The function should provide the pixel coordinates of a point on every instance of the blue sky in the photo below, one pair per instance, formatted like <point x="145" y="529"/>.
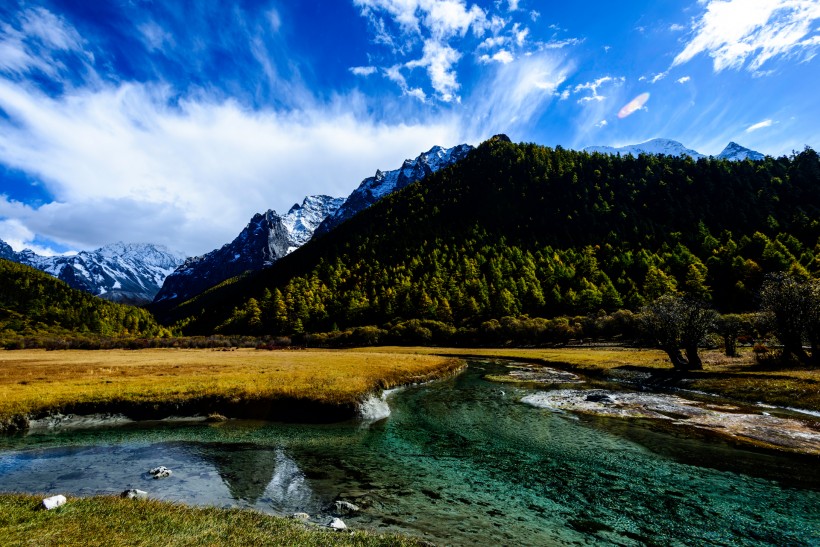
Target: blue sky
<point x="175" y="122"/>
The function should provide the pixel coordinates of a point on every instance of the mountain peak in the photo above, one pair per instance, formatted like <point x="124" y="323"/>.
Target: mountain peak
<point x="383" y="183"/>
<point x="736" y="152"/>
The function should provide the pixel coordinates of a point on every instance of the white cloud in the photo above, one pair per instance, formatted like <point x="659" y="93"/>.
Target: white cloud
<point x="124" y="165"/>
<point x="676" y="27"/>
<point x="438" y="59"/>
<point x="501" y="56"/>
<point x="516" y="94"/>
<point x="363" y="70"/>
<point x="154" y="36"/>
<point x="683" y="79"/>
<point x="33" y="45"/>
<point x="512" y="5"/>
<point x="752" y="32"/>
<point x="593" y="87"/>
<point x="602" y="123"/>
<point x="759" y="125"/>
<point x="658" y="77"/>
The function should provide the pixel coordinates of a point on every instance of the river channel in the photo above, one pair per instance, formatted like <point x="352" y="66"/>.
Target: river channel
<point x="458" y="462"/>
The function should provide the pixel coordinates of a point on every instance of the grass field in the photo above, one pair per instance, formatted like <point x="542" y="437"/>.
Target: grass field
<point x="36" y="381"/>
<point x="738" y="378"/>
<point x="113" y="521"/>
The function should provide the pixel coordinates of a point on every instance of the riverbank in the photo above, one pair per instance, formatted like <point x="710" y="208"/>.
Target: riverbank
<point x="306" y="386"/>
<point x="740" y="378"/>
<point x="107" y="520"/>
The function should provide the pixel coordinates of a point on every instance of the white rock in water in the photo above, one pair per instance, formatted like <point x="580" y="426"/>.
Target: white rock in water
<point x="346" y="508"/>
<point x="56" y="501"/>
<point x="134" y="494"/>
<point x="337" y="524"/>
<point x="161" y="472"/>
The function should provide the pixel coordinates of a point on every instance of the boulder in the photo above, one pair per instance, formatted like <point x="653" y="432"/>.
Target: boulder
<point x="161" y="472"/>
<point x="337" y="524"/>
<point x="134" y="494"/>
<point x="300" y="516"/>
<point x="346" y="508"/>
<point x="56" y="501"/>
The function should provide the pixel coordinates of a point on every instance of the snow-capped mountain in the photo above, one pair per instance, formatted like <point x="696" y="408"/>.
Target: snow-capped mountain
<point x="655" y="146"/>
<point x="121" y="272"/>
<point x="302" y="220"/>
<point x="267" y="238"/>
<point x="383" y="183"/>
<point x="732" y="152"/>
<point x="735" y="152"/>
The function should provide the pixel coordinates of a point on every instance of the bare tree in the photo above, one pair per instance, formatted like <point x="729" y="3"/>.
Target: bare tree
<point x="676" y="322"/>
<point x="793" y="305"/>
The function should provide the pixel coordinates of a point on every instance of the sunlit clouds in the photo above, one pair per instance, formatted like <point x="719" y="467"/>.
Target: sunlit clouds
<point x="633" y="106"/>
<point x="759" y="125"/>
<point x="750" y="33"/>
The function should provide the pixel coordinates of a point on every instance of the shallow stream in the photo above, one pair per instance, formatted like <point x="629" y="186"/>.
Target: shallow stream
<point x="458" y="462"/>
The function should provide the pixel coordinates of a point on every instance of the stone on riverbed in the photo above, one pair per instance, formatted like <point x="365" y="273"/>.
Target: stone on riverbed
<point x="134" y="494"/>
<point x="161" y="472"/>
<point x="346" y="508"/>
<point x="54" y="502"/>
<point x="337" y="524"/>
<point x="801" y="436"/>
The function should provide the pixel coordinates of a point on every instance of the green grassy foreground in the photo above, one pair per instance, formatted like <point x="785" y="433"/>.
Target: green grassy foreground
<point x="114" y="521"/>
<point x="739" y="378"/>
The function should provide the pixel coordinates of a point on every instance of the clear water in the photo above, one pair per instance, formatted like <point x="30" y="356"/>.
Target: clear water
<point x="457" y="462"/>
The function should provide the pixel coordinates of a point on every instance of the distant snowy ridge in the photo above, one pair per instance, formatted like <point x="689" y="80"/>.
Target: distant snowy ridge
<point x="267" y="238"/>
<point x="668" y="147"/>
<point x="122" y="272"/>
<point x="383" y="183"/>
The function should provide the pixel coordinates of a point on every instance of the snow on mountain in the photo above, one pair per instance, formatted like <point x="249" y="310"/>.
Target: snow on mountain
<point x="270" y="236"/>
<point x="383" y="183"/>
<point x="302" y="220"/>
<point x="735" y="152"/>
<point x="267" y="238"/>
<point x="655" y="146"/>
<point x="121" y="272"/>
<point x="732" y="152"/>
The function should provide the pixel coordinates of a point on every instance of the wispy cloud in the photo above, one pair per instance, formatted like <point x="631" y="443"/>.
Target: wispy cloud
<point x="593" y="87"/>
<point x="363" y="70"/>
<point x="759" y="125"/>
<point x="515" y="95"/>
<point x="750" y="33"/>
<point x="683" y="79"/>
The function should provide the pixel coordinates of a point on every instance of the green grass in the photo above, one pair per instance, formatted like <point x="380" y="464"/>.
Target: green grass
<point x="113" y="521"/>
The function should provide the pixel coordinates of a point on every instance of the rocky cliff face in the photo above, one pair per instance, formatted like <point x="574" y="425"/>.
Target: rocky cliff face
<point x="267" y="238"/>
<point x="131" y="273"/>
<point x="386" y="182"/>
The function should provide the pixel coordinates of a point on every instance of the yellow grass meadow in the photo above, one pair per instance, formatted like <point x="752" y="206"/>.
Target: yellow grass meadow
<point x="36" y="381"/>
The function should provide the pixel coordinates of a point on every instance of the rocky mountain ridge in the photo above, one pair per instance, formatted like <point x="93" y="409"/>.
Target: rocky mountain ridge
<point x="267" y="238"/>
<point x="121" y="272"/>
<point x="668" y="147"/>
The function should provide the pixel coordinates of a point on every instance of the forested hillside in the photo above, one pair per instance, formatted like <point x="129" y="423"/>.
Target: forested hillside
<point x="33" y="302"/>
<point x="525" y="229"/>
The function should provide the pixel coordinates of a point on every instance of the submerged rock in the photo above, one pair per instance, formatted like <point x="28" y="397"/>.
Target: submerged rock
<point x="134" y="494"/>
<point x="746" y="426"/>
<point x="54" y="502"/>
<point x="346" y="508"/>
<point x="337" y="524"/>
<point x="161" y="472"/>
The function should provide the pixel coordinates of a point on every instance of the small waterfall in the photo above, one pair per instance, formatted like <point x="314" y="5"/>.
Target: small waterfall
<point x="375" y="408"/>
